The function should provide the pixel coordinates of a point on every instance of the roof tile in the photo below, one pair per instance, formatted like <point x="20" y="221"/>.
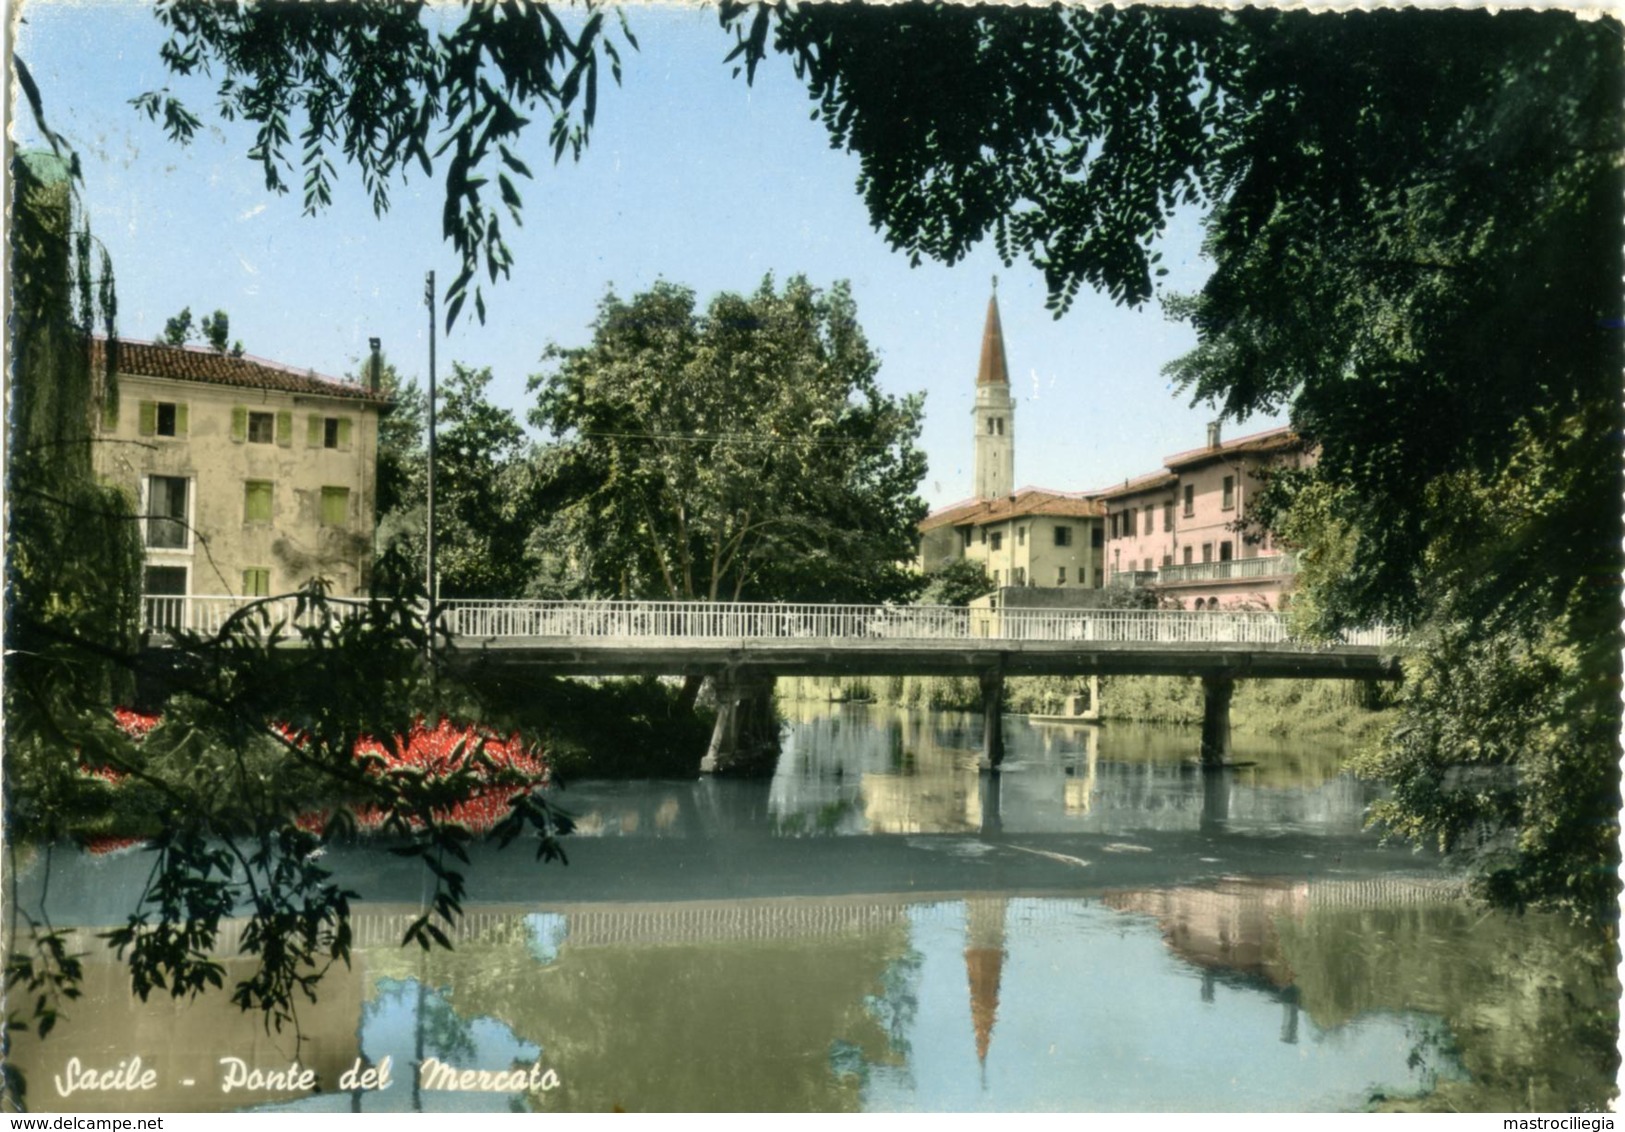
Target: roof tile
<point x="191" y="363"/>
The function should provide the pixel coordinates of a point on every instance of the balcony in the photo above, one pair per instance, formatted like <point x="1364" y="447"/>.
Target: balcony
<point x="1130" y="579"/>
<point x="1274" y="566"/>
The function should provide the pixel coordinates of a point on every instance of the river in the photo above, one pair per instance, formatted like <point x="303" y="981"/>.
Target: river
<point x="882" y="926"/>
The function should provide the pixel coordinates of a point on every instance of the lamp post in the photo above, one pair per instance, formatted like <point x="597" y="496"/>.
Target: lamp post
<point x="428" y="300"/>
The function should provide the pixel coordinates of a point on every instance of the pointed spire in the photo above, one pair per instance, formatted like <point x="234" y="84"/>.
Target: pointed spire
<point x="994" y="370"/>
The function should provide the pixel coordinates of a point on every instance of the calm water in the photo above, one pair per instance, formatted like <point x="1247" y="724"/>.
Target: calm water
<point x="883" y="927"/>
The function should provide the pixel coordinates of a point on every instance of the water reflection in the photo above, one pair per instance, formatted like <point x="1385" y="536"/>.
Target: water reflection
<point x="862" y="769"/>
<point x="653" y="977"/>
<point x="1233" y="996"/>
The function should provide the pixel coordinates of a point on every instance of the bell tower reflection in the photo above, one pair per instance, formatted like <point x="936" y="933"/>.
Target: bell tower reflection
<point x="984" y="966"/>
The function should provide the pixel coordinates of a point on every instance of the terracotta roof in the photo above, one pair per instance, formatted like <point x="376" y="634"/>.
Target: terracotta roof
<point x="1275" y="440"/>
<point x="1027" y="501"/>
<point x="1150" y="482"/>
<point x="193" y="363"/>
<point x="993" y="368"/>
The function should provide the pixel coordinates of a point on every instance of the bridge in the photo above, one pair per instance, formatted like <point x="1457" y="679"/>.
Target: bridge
<point x="744" y="646"/>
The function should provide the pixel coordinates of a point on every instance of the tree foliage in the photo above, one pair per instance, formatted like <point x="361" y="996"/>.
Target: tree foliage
<point x="373" y="83"/>
<point x="959" y="582"/>
<point x="745" y="452"/>
<point x="1419" y="253"/>
<point x="485" y="486"/>
<point x="215" y="329"/>
<point x="73" y="561"/>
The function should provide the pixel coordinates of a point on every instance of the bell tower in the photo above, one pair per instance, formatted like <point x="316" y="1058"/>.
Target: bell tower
<point x="995" y="411"/>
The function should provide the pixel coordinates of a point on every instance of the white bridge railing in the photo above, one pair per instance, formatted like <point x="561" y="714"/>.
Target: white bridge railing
<point x="671" y="622"/>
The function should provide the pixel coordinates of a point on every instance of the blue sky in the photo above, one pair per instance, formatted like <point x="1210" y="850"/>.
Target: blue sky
<point x="691" y="176"/>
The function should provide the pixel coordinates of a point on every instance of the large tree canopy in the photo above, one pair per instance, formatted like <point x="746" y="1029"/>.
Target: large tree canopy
<point x="740" y="453"/>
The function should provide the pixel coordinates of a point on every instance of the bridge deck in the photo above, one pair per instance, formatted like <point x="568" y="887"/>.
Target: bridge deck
<point x="702" y="638"/>
<point x="835" y="657"/>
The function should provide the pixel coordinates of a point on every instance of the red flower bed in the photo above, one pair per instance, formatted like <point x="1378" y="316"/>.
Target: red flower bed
<point x="432" y="751"/>
<point x="107" y="844"/>
<point x="428" y="749"/>
<point x="134" y="723"/>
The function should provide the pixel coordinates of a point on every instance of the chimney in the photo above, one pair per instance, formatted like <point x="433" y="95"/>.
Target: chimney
<point x="1213" y="434"/>
<point x="375" y="366"/>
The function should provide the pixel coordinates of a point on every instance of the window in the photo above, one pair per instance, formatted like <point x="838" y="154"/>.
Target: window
<point x="257" y="501"/>
<point x="262" y="428"/>
<point x="257" y="581"/>
<point x="1207" y="552"/>
<point x="328" y="432"/>
<point x="163" y="418"/>
<point x="1229" y="499"/>
<point x="998" y="426"/>
<point x="335" y="506"/>
<point x="998" y="540"/>
<point x="1168" y="516"/>
<point x="1187" y="557"/>
<point x="1226" y="551"/>
<point x="164" y="581"/>
<point x="1063" y="536"/>
<point x="1060" y="575"/>
<point x="1190" y="500"/>
<point x="166" y="512"/>
<point x="1097" y="537"/>
<point x="1021" y="536"/>
<point x="1150" y="518"/>
<point x="964" y="537"/>
<point x="1167" y="559"/>
<point x="1115" y="517"/>
<point x="1018" y="576"/>
<point x="984" y="536"/>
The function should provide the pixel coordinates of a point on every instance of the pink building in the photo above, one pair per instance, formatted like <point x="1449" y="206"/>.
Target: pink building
<point x="1181" y="528"/>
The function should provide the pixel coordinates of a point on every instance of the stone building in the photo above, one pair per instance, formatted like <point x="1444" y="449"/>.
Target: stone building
<point x="1180" y="528"/>
<point x="1023" y="536"/>
<point x="251" y="478"/>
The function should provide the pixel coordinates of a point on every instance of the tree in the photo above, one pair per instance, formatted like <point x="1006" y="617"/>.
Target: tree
<point x="742" y="453"/>
<point x="958" y="583"/>
<point x="215" y="329"/>
<point x="1418" y="253"/>
<point x="73" y="560"/>
<point x="485" y="483"/>
<point x="484" y="492"/>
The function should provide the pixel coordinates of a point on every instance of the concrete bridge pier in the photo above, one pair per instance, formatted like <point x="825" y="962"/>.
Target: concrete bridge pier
<point x="745" y="739"/>
<point x="1216" y="693"/>
<point x="992" y="718"/>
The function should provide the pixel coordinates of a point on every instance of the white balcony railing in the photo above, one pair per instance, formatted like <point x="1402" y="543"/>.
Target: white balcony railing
<point x="1273" y="566"/>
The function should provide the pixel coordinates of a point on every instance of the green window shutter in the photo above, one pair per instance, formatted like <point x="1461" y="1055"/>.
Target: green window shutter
<point x="284" y="429"/>
<point x="257" y="582"/>
<point x="257" y="501"/>
<point x="344" y="434"/>
<point x="313" y="433"/>
<point x="239" y="423"/>
<point x="335" y="506"/>
<point x="149" y="418"/>
<point x="182" y="419"/>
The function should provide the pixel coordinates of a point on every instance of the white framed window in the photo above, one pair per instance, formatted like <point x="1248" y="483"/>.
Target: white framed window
<point x="167" y="508"/>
